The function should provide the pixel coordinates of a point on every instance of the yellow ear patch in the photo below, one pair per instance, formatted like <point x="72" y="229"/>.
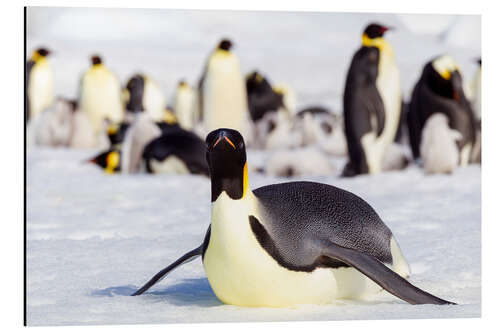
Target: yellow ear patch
<point x="445" y="65"/>
<point x="245" y="179"/>
<point x="112" y="161"/>
<point x="36" y="57"/>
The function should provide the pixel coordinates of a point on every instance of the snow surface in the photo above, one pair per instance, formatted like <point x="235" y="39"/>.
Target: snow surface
<point x="94" y="238"/>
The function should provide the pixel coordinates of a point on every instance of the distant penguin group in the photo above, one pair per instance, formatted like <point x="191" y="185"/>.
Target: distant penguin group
<point x="374" y="115"/>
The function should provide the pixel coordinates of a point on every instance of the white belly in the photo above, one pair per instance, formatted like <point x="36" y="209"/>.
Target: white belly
<point x="388" y="85"/>
<point x="41" y="88"/>
<point x="224" y="97"/>
<point x="242" y="273"/>
<point x="171" y="165"/>
<point x="153" y="101"/>
<point x="184" y="107"/>
<point x="101" y="98"/>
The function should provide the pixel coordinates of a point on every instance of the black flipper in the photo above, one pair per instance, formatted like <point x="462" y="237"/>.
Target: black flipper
<point x="191" y="255"/>
<point x="380" y="274"/>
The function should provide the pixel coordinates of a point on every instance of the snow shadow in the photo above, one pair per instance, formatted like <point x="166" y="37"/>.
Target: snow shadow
<point x="188" y="292"/>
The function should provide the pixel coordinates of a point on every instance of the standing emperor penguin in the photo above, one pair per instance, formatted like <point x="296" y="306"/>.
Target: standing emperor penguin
<point x="291" y="243"/>
<point x="142" y="94"/>
<point x="223" y="99"/>
<point x="372" y="103"/>
<point x="100" y="95"/>
<point x="39" y="83"/>
<point x="184" y="105"/>
<point x="440" y="89"/>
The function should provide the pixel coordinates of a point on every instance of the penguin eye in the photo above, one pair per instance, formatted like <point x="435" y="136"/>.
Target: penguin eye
<point x="326" y="127"/>
<point x="272" y="125"/>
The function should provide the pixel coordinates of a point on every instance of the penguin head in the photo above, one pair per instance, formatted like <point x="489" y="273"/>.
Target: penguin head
<point x="108" y="160"/>
<point x="226" y="158"/>
<point x="95" y="60"/>
<point x="256" y="83"/>
<point x="375" y="30"/>
<point x="225" y="45"/>
<point x="40" y="53"/>
<point x="446" y="80"/>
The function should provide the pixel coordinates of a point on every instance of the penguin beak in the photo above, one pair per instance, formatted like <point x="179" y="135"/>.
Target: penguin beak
<point x="384" y="29"/>
<point x="92" y="160"/>
<point x="223" y="137"/>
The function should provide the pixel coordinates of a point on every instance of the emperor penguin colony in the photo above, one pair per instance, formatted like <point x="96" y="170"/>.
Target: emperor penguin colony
<point x="283" y="244"/>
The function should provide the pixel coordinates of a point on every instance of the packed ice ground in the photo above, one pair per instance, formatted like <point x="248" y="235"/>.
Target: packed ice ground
<point x="94" y="238"/>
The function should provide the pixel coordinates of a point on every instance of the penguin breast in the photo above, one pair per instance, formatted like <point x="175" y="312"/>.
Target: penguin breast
<point x="242" y="273"/>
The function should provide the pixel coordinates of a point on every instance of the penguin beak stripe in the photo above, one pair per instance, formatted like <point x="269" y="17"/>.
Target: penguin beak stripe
<point x="230" y="142"/>
<point x="216" y="142"/>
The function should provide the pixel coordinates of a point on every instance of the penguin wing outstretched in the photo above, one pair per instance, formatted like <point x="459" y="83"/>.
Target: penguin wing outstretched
<point x="380" y="274"/>
<point x="190" y="256"/>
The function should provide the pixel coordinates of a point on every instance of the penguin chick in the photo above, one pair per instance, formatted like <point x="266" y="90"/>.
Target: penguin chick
<point x="54" y="126"/>
<point x="141" y="132"/>
<point x="275" y="130"/>
<point x="320" y="126"/>
<point x="299" y="162"/>
<point x="439" y="148"/>
<point x="395" y="158"/>
<point x="83" y="135"/>
<point x="108" y="160"/>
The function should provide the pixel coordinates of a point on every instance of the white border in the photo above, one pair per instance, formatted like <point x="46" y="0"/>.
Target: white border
<point x="11" y="181"/>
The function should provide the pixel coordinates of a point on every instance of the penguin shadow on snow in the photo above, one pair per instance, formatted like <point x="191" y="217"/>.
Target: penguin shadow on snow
<point x="188" y="292"/>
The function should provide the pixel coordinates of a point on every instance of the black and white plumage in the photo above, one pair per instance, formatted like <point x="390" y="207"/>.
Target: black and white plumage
<point x="262" y="244"/>
<point x="261" y="96"/>
<point x="372" y="103"/>
<point x="176" y="151"/>
<point x="142" y="94"/>
<point x="440" y="89"/>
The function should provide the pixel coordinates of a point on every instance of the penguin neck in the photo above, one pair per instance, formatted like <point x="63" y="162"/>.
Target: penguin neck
<point x="236" y="188"/>
<point x="97" y="67"/>
<point x="38" y="59"/>
<point x="380" y="43"/>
